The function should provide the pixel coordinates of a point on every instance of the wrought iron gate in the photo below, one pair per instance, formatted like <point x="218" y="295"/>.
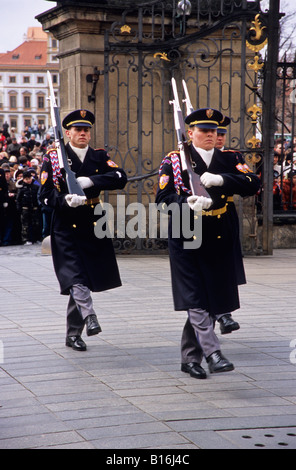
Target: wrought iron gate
<point x="212" y="47"/>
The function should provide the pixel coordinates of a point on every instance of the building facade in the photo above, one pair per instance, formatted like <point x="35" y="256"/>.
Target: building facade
<point x="23" y="81"/>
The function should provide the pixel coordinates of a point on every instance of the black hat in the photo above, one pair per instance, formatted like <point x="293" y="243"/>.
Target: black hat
<point x="79" y="118"/>
<point x="205" y="118"/>
<point x="27" y="174"/>
<point x="223" y="124"/>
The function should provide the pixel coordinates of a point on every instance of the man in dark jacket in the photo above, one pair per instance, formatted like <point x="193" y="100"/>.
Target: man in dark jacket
<point x="28" y="208"/>
<point x="205" y="279"/>
<point x="3" y="201"/>
<point x="83" y="263"/>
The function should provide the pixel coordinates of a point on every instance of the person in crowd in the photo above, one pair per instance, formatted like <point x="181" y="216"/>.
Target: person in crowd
<point x="83" y="262"/>
<point x="3" y="202"/>
<point x="11" y="235"/>
<point x="31" y="143"/>
<point x="276" y="191"/>
<point x="14" y="147"/>
<point x="28" y="208"/>
<point x="205" y="279"/>
<point x="46" y="143"/>
<point x="5" y="128"/>
<point x="289" y="191"/>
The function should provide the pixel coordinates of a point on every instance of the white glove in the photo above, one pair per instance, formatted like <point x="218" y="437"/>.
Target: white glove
<point x="209" y="179"/>
<point x="197" y="203"/>
<point x="5" y="204"/>
<point x="85" y="182"/>
<point x="73" y="200"/>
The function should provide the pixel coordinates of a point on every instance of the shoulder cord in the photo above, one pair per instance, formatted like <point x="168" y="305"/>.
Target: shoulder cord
<point x="56" y="171"/>
<point x="178" y="181"/>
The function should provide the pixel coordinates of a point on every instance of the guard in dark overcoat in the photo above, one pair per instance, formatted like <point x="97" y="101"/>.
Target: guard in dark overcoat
<point x="205" y="279"/>
<point x="227" y="323"/>
<point x="83" y="262"/>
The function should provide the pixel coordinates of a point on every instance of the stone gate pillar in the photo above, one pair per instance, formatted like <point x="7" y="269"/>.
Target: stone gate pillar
<point x="79" y="27"/>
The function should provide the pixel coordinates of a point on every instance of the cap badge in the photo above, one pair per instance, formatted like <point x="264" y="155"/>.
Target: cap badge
<point x="83" y="114"/>
<point x="209" y="113"/>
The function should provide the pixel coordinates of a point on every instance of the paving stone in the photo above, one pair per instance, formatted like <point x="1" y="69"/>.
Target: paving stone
<point x="127" y="390"/>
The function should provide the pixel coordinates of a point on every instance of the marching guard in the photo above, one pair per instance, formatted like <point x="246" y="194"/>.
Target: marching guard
<point x="83" y="263"/>
<point x="205" y="279"/>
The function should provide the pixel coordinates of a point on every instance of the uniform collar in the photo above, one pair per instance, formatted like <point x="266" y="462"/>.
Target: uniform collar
<point x="206" y="155"/>
<point x="79" y="152"/>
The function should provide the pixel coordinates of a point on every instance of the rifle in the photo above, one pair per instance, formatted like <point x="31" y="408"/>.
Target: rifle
<point x="194" y="180"/>
<point x="72" y="183"/>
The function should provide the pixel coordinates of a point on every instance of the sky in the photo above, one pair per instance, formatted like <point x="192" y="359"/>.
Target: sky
<point x="18" y="15"/>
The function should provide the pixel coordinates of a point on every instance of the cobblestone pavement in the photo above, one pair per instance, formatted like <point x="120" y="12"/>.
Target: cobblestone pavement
<point x="127" y="390"/>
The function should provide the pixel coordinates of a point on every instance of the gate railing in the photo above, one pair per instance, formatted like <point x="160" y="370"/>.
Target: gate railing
<point x="209" y="49"/>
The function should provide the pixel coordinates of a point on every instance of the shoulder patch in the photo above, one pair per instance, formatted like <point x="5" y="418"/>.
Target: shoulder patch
<point x="112" y="164"/>
<point x="163" y="181"/>
<point x="243" y="168"/>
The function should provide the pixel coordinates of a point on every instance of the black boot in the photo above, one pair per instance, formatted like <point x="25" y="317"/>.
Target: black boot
<point x="92" y="325"/>
<point x="227" y="324"/>
<point x="194" y="369"/>
<point x="218" y="363"/>
<point x="76" y="343"/>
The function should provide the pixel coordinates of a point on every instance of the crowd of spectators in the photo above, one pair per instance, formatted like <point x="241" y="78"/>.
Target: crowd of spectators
<point x="23" y="219"/>
<point x="284" y="172"/>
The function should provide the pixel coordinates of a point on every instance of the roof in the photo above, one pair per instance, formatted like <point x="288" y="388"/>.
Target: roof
<point x="36" y="33"/>
<point x="29" y="53"/>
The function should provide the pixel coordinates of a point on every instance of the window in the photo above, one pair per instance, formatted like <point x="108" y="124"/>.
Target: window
<point x="12" y="102"/>
<point x="12" y="79"/>
<point x="38" y="57"/>
<point x="40" y="102"/>
<point x="27" y="101"/>
<point x="15" y="56"/>
<point x="40" y="80"/>
<point x="26" y="79"/>
<point x="55" y="79"/>
<point x="13" y="123"/>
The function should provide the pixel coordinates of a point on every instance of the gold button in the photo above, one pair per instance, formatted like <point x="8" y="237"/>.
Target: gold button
<point x="74" y="226"/>
<point x="95" y="223"/>
<point x="222" y="196"/>
<point x="219" y="236"/>
<point x="196" y="216"/>
<point x="92" y="206"/>
<point x="219" y="216"/>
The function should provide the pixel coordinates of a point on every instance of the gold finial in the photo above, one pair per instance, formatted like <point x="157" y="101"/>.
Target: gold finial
<point x="253" y="158"/>
<point x="125" y="29"/>
<point x="257" y="28"/>
<point x="255" y="64"/>
<point x="162" y="55"/>
<point x="254" y="110"/>
<point x="253" y="141"/>
<point x="256" y="42"/>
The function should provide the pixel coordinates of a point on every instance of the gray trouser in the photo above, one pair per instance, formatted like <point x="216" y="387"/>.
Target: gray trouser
<point x="79" y="307"/>
<point x="198" y="337"/>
